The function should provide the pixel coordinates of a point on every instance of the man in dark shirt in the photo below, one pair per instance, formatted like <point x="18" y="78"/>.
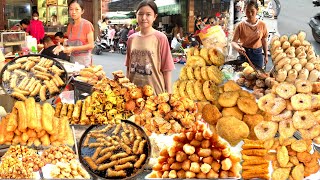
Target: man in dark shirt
<point x="48" y="49"/>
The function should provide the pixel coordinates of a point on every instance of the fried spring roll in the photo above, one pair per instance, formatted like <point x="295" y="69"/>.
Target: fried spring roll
<point x="106" y="150"/>
<point x="26" y="93"/>
<point x="39" y="68"/>
<point x="126" y="148"/>
<point x="64" y="110"/>
<point x="42" y="77"/>
<point x="70" y="110"/>
<point x="22" y="60"/>
<point x="58" y="109"/>
<point x="43" y="92"/>
<point x="117" y="129"/>
<point x="126" y="159"/>
<point x="31" y="113"/>
<point x="32" y="80"/>
<point x="60" y="81"/>
<point x="14" y="66"/>
<point x="141" y="147"/>
<point x="33" y="85"/>
<point x="19" y="96"/>
<point x="13" y="81"/>
<point x="47" y="117"/>
<point x="119" y="155"/>
<point x="22" y="116"/>
<point x="112" y="173"/>
<point x="20" y="72"/>
<point x="84" y="119"/>
<point x="77" y="111"/>
<point x="56" y="70"/>
<point x="90" y="162"/>
<point x="23" y="83"/>
<point x="36" y="90"/>
<point x="30" y="65"/>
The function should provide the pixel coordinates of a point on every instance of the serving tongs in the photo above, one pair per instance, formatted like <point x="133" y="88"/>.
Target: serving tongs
<point x="260" y="71"/>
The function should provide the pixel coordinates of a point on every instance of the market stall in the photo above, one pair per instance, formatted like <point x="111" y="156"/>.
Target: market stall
<point x="210" y="127"/>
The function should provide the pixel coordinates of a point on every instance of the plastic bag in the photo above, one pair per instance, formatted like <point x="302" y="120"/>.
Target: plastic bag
<point x="175" y="44"/>
<point x="213" y="37"/>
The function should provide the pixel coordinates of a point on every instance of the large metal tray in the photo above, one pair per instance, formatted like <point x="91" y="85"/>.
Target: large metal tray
<point x="86" y="151"/>
<point x="6" y="85"/>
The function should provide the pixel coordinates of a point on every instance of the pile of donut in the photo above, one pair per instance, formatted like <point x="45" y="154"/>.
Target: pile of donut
<point x="294" y="58"/>
<point x="198" y="80"/>
<point x="293" y="110"/>
<point x="260" y="85"/>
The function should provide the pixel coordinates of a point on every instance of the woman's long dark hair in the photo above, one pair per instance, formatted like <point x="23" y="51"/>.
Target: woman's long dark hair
<point x="149" y="3"/>
<point x="80" y="2"/>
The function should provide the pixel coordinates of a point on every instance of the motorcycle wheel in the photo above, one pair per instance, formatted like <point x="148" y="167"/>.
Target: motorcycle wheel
<point x="315" y="36"/>
<point x="123" y="51"/>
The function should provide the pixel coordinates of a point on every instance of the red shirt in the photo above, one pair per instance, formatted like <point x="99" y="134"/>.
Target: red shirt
<point x="36" y="30"/>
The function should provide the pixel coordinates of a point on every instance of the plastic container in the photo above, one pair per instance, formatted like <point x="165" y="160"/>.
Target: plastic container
<point x="81" y="90"/>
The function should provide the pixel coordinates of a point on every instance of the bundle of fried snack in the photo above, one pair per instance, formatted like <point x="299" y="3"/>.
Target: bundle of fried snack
<point x="91" y="74"/>
<point x="197" y="153"/>
<point x="116" y="150"/>
<point x="69" y="170"/>
<point x="167" y="114"/>
<point x="33" y="77"/>
<point x="110" y="102"/>
<point x="254" y="164"/>
<point x="234" y="115"/>
<point x="260" y="85"/>
<point x="56" y="154"/>
<point x="29" y="123"/>
<point x="294" y="58"/>
<point x="293" y="108"/>
<point x="292" y="159"/>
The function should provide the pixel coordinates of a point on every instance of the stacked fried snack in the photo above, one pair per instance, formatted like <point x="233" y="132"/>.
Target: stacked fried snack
<point x="56" y="154"/>
<point x="198" y="80"/>
<point x="115" y="150"/>
<point x="234" y="115"/>
<point x="30" y="123"/>
<point x="91" y="74"/>
<point x="109" y="103"/>
<point x="260" y="85"/>
<point x="33" y="76"/>
<point x="255" y="164"/>
<point x="167" y="114"/>
<point x="197" y="153"/>
<point x="19" y="162"/>
<point x="69" y="170"/>
<point x="294" y="58"/>
<point x="293" y="159"/>
<point x="293" y="108"/>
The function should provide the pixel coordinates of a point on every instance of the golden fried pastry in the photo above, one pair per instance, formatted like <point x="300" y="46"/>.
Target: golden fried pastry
<point x="266" y="130"/>
<point x="231" y="86"/>
<point x="198" y="90"/>
<point x="190" y="90"/>
<point x="233" y="111"/>
<point x="232" y="129"/>
<point x="247" y="105"/>
<point x="228" y="99"/>
<point x="183" y="73"/>
<point x="252" y="121"/>
<point x="211" y="114"/>
<point x="210" y="90"/>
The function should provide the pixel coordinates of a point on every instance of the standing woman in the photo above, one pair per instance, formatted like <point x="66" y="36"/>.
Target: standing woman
<point x="149" y="59"/>
<point x="252" y="34"/>
<point x="80" y="35"/>
<point x="36" y="28"/>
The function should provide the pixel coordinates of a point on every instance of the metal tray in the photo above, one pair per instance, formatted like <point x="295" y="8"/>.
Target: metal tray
<point x="6" y="85"/>
<point x="86" y="151"/>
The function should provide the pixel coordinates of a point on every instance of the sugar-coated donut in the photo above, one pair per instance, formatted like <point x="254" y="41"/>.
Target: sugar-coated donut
<point x="286" y="90"/>
<point x="286" y="129"/>
<point x="303" y="86"/>
<point x="272" y="104"/>
<point x="301" y="102"/>
<point x="266" y="130"/>
<point x="286" y="114"/>
<point x="303" y="119"/>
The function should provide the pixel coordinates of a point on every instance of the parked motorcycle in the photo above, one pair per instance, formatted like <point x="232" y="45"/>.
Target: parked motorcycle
<point x="122" y="46"/>
<point x="314" y="23"/>
<point x="101" y="44"/>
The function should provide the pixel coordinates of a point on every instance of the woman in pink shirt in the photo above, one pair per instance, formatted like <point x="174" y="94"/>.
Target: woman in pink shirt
<point x="36" y="28"/>
<point x="149" y="60"/>
<point x="111" y="33"/>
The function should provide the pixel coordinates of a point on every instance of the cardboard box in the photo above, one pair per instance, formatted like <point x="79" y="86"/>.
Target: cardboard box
<point x="7" y="102"/>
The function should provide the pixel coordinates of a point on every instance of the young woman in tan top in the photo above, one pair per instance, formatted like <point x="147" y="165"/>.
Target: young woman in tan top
<point x="252" y="35"/>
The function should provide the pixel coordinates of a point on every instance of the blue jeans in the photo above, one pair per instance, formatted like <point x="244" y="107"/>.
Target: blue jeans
<point x="255" y="56"/>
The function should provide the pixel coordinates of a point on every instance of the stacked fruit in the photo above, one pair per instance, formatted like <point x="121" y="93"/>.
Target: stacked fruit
<point x="198" y="80"/>
<point x="294" y="58"/>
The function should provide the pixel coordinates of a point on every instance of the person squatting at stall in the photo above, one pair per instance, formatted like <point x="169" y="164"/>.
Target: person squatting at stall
<point x="252" y="34"/>
<point x="80" y="36"/>
<point x="148" y="58"/>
